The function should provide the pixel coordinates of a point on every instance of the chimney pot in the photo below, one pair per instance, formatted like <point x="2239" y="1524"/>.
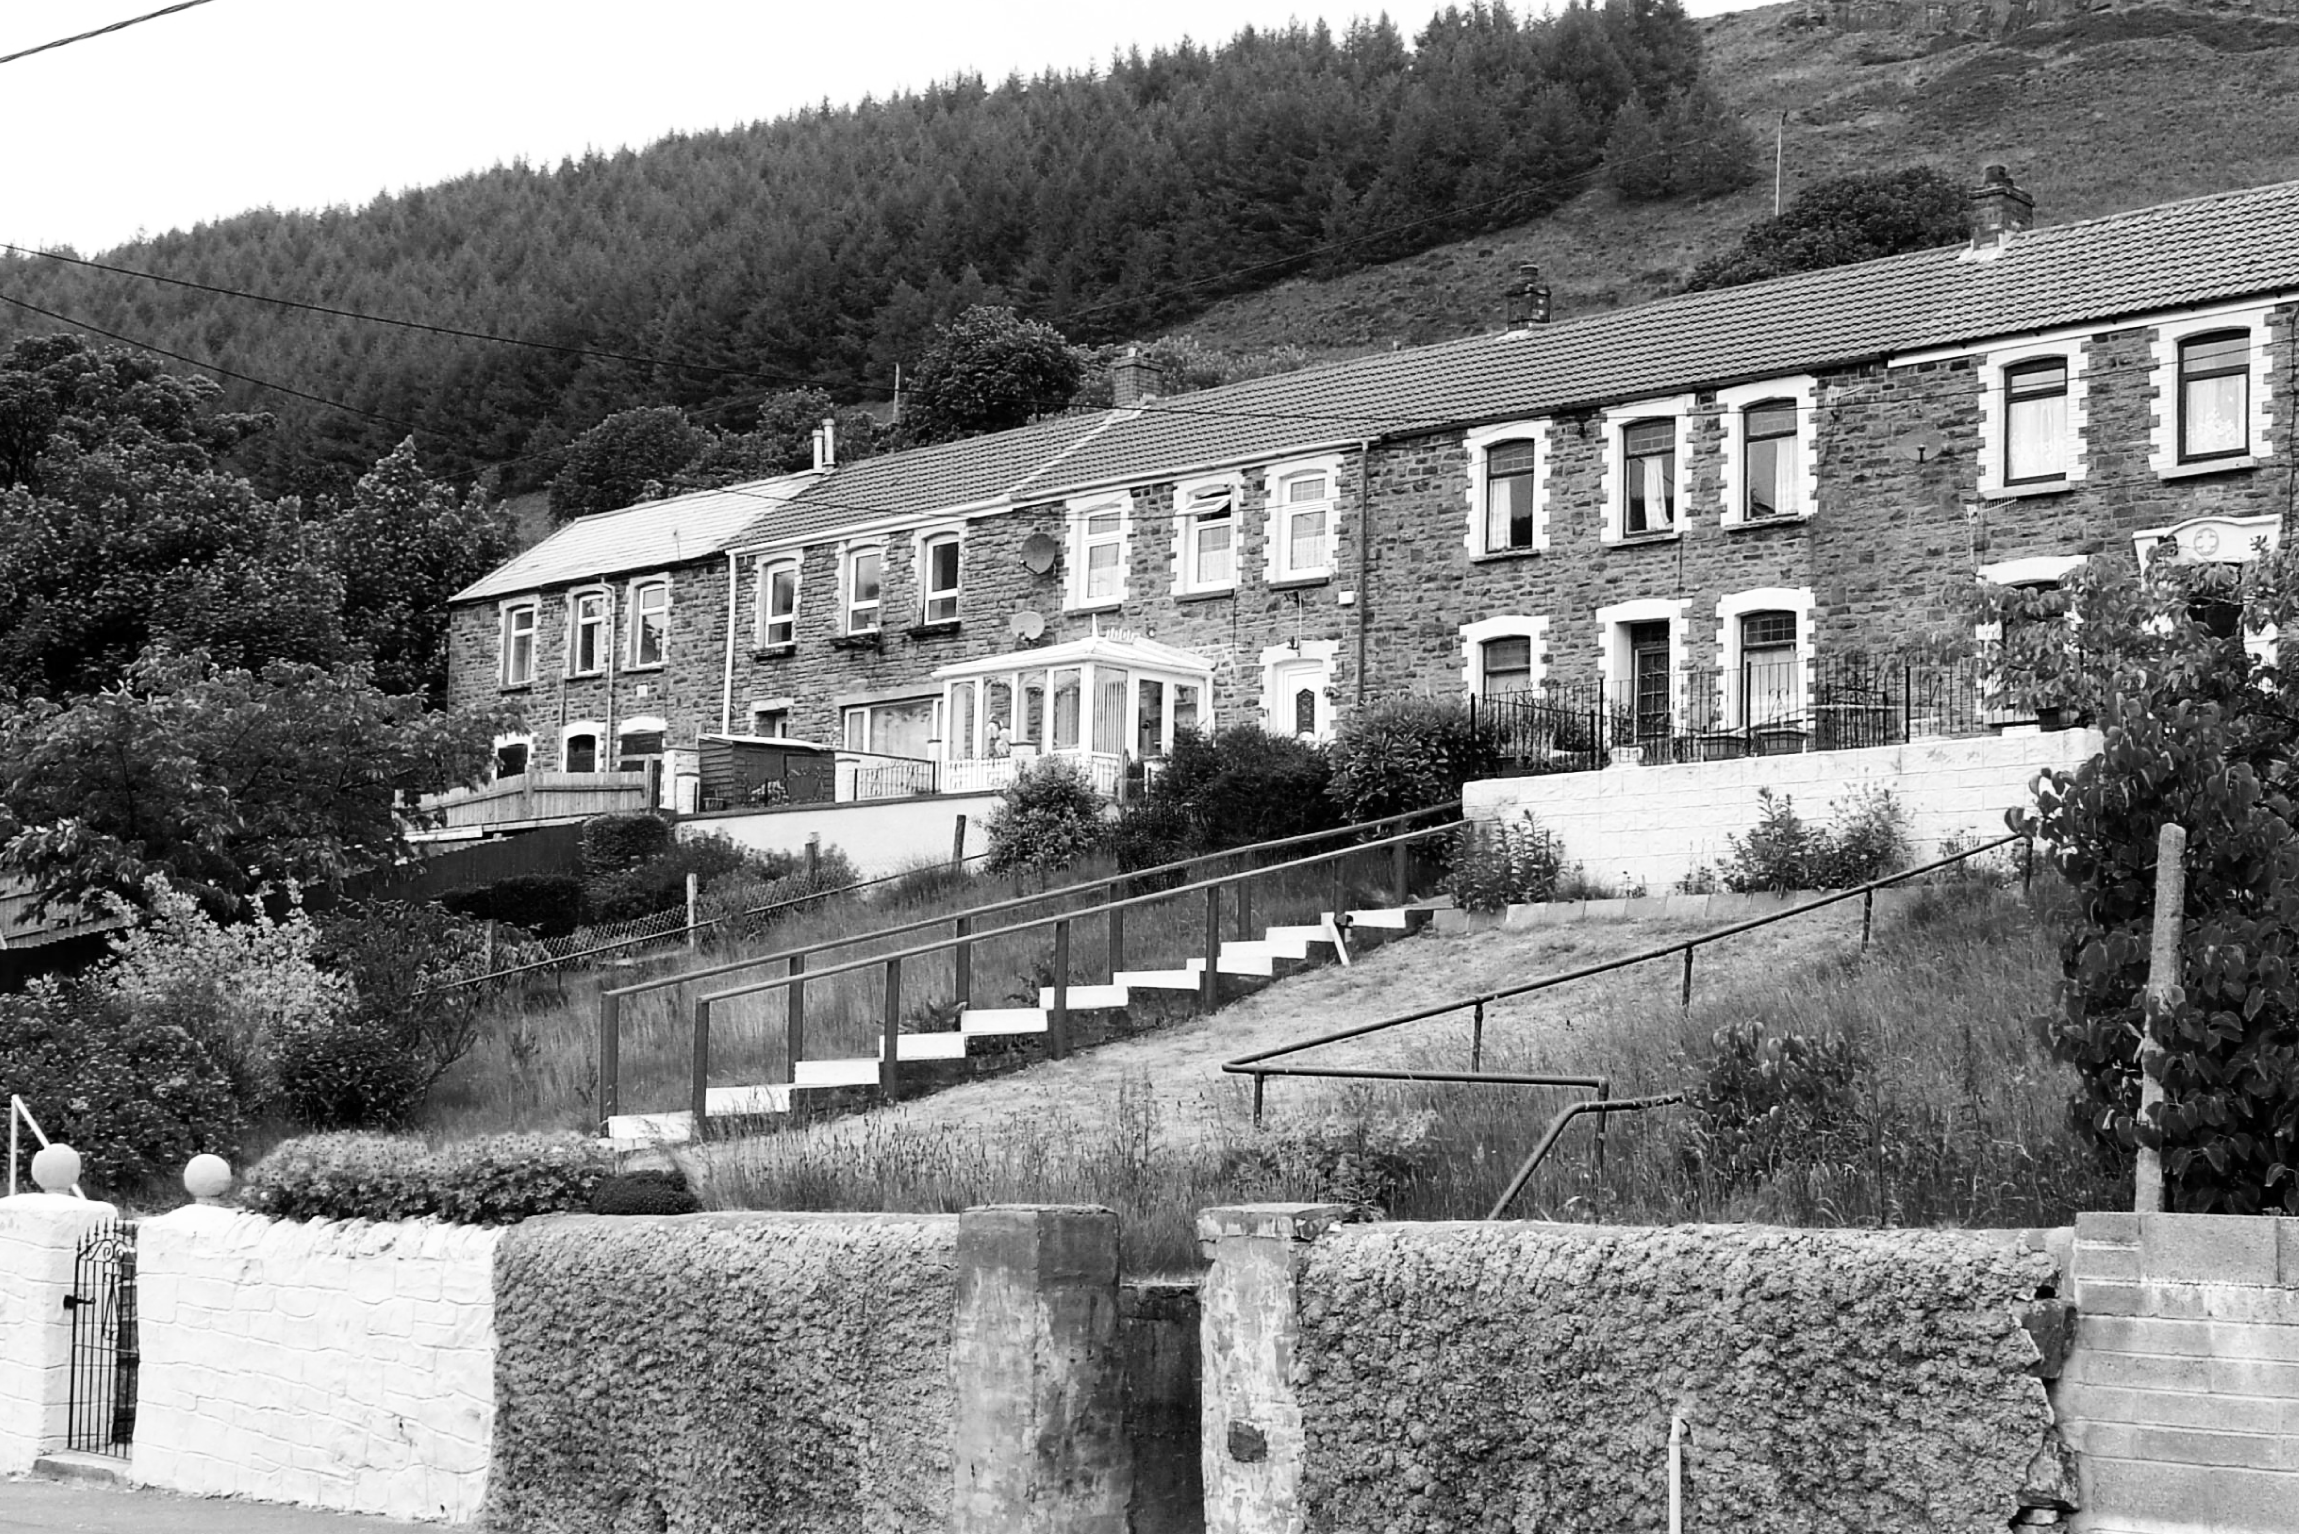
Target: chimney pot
<point x="1999" y="208"/>
<point x="1528" y="298"/>
<point x="1135" y="380"/>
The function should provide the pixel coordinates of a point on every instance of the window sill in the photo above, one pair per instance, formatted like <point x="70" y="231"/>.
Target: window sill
<point x="583" y="676"/>
<point x="2030" y="492"/>
<point x="1209" y="594"/>
<point x="514" y="686"/>
<point x="1302" y="582"/>
<point x="1098" y="605"/>
<point x="1634" y="540"/>
<point x="774" y="651"/>
<point x="1735" y="524"/>
<point x="654" y="665"/>
<point x="2208" y="466"/>
<point x="872" y="639"/>
<point x="1503" y="556"/>
<point x="940" y="628"/>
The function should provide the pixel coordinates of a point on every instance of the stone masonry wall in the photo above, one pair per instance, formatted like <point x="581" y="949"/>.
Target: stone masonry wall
<point x="340" y="1365"/>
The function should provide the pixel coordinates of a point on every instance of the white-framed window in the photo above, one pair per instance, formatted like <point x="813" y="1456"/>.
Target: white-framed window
<point x="1297" y="688"/>
<point x="1999" y="701"/>
<point x="590" y="631"/>
<point x="1641" y="663"/>
<point x="777" y="621"/>
<point x="1647" y="446"/>
<point x="861" y="577"/>
<point x="938" y="559"/>
<point x="2034" y="412"/>
<point x="1770" y="451"/>
<point x="639" y="740"/>
<point x="1504" y="655"/>
<point x="1098" y="551"/>
<point x="2212" y="386"/>
<point x="1303" y="512"/>
<point x="514" y="754"/>
<point x="2217" y="540"/>
<point x="1764" y="645"/>
<point x="650" y="621"/>
<point x="518" y="642"/>
<point x="893" y="726"/>
<point x="1205" y="530"/>
<point x="579" y="746"/>
<point x="1508" y="488"/>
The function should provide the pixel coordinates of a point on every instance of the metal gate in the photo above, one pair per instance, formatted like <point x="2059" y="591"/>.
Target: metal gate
<point x="101" y="1417"/>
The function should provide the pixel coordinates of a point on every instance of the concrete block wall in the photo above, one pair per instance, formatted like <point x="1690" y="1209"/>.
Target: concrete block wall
<point x="880" y="836"/>
<point x="340" y="1365"/>
<point x="1656" y="824"/>
<point x="39" y="1237"/>
<point x="2181" y="1395"/>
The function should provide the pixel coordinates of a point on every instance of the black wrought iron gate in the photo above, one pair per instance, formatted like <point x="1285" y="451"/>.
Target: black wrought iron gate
<point x="102" y="1413"/>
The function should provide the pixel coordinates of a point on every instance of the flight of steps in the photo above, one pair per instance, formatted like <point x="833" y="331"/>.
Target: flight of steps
<point x="1279" y="951"/>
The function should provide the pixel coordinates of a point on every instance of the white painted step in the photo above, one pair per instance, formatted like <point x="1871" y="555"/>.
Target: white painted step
<point x="1087" y="998"/>
<point x="636" y="1131"/>
<point x="838" y="1073"/>
<point x="1001" y="1020"/>
<point x="1295" y="942"/>
<point x="1248" y="959"/>
<point x="1185" y="979"/>
<point x="1389" y="916"/>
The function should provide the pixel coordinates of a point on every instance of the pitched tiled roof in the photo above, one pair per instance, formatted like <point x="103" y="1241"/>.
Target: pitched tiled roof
<point x="2178" y="255"/>
<point x="648" y="536"/>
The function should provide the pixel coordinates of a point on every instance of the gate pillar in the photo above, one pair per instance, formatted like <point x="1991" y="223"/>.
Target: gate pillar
<point x="40" y="1235"/>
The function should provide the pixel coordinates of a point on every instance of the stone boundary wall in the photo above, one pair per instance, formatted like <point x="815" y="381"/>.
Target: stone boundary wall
<point x="342" y="1365"/>
<point x="1656" y="824"/>
<point x="39" y="1233"/>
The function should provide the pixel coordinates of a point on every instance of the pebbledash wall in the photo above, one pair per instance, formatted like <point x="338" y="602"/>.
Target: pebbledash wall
<point x="1656" y="824"/>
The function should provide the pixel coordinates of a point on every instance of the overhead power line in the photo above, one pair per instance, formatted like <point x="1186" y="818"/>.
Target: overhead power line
<point x="117" y="26"/>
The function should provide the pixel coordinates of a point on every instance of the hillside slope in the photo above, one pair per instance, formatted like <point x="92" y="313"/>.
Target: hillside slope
<point x="2095" y="112"/>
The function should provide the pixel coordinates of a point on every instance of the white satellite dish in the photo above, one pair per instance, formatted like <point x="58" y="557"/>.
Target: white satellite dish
<point x="1028" y="623"/>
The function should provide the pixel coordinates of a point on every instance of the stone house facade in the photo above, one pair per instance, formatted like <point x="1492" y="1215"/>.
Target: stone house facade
<point x="1691" y="507"/>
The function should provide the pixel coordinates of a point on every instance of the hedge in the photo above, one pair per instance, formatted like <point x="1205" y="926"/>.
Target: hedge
<point x="499" y="1180"/>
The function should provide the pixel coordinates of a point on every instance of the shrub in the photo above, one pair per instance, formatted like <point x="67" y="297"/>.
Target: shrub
<point x="1358" y="1158"/>
<point x="548" y="905"/>
<point x="1231" y="789"/>
<point x="746" y="903"/>
<point x="1867" y="840"/>
<point x="398" y="955"/>
<point x="134" y="1094"/>
<point x="660" y="883"/>
<point x="1048" y="817"/>
<point x="345" y="1072"/>
<point x="1761" y="1103"/>
<point x="647" y="1192"/>
<point x="495" y="1181"/>
<point x="1494" y="865"/>
<point x="1409" y="754"/>
<point x="612" y="843"/>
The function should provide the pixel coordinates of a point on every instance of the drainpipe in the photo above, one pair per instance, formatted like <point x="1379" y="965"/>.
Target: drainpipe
<point x="614" y="650"/>
<point x="1364" y="556"/>
<point x="1675" y="1474"/>
<point x="726" y="691"/>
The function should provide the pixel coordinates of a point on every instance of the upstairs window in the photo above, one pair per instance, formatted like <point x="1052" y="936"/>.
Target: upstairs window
<point x="2036" y="421"/>
<point x="863" y="568"/>
<point x="650" y="622"/>
<point x="1648" y="450"/>
<point x="1510" y="475"/>
<point x="778" y="604"/>
<point x="518" y="644"/>
<point x="1775" y="471"/>
<point x="1209" y="540"/>
<point x="2215" y="396"/>
<point x="587" y="632"/>
<point x="940" y="583"/>
<point x="1303" y="515"/>
<point x="1100" y="562"/>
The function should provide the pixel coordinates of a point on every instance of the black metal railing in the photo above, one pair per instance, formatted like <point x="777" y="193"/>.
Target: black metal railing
<point x="100" y="1399"/>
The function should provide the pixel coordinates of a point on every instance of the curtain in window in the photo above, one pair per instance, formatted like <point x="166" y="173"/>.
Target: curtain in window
<point x="961" y="743"/>
<point x="1066" y="700"/>
<point x="1110" y="714"/>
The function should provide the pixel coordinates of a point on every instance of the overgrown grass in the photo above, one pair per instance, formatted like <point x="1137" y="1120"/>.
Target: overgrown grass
<point x="1955" y="1114"/>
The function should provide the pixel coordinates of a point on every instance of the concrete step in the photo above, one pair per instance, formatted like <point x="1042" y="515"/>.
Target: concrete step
<point x="1296" y="942"/>
<point x="1400" y="918"/>
<point x="83" y="1468"/>
<point x="839" y="1073"/>
<point x="947" y="1044"/>
<point x="1248" y="959"/>
<point x="980" y="1021"/>
<point x="1087" y="998"/>
<point x="635" y="1131"/>
<point x="1185" y="979"/>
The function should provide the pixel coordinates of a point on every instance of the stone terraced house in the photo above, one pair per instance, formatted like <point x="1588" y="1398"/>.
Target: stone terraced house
<point x="1695" y="512"/>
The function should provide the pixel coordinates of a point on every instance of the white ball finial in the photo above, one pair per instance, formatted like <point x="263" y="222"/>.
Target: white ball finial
<point x="56" y="1168"/>
<point x="207" y="1178"/>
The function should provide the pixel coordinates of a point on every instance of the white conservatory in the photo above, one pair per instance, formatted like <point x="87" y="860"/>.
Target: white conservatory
<point x="1106" y="702"/>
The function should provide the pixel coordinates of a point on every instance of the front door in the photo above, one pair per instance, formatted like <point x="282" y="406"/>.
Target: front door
<point x="1649" y="681"/>
<point x="1298" y="705"/>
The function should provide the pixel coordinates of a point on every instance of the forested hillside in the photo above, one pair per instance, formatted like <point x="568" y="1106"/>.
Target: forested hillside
<point x="823" y="247"/>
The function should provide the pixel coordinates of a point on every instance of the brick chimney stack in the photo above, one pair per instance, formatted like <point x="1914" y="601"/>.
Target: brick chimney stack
<point x="1135" y="380"/>
<point x="2000" y="209"/>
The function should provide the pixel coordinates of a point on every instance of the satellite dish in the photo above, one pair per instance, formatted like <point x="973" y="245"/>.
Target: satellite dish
<point x="1922" y="445"/>
<point x="1039" y="553"/>
<point x="1029" y="623"/>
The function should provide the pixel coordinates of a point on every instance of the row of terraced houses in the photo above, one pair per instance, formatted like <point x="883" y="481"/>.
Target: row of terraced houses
<point x="1697" y="511"/>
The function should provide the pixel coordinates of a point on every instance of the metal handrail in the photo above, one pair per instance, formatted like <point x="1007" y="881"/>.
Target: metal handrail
<point x="19" y="1109"/>
<point x="962" y="923"/>
<point x="1599" y="1104"/>
<point x="962" y="940"/>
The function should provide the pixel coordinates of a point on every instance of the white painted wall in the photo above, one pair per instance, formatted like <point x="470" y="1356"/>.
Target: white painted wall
<point x="1655" y="824"/>
<point x="340" y="1365"/>
<point x="879" y="836"/>
<point x="39" y="1234"/>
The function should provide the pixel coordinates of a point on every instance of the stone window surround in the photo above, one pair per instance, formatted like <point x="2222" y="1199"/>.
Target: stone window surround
<point x="1076" y="513"/>
<point x="2032" y="570"/>
<point x="2163" y="436"/>
<point x="2263" y="535"/>
<point x="1993" y="364"/>
<point x="762" y="568"/>
<point x="597" y="730"/>
<point x="631" y="590"/>
<point x="1804" y="390"/>
<point x="787" y="704"/>
<point x="848" y="549"/>
<point x="575" y="596"/>
<point x="1734" y="606"/>
<point x="1184" y="524"/>
<point x="1612" y="623"/>
<point x="1481" y="442"/>
<point x="1277" y="659"/>
<point x="532" y="606"/>
<point x="921" y="541"/>
<point x="1502" y="626"/>
<point x="1615" y="420"/>
<point x="1275" y="512"/>
<point x="524" y="738"/>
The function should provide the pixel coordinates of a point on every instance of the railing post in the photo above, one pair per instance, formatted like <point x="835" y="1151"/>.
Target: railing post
<point x="1684" y="1002"/>
<point x="1117" y="928"/>
<point x="1477" y="1038"/>
<point x="1209" y="983"/>
<point x="2027" y="867"/>
<point x="1398" y="872"/>
<point x="962" y="961"/>
<point x="1340" y="894"/>
<point x="1259" y="1081"/>
<point x="1597" y="1186"/>
<point x="1245" y="910"/>
<point x="794" y="1014"/>
<point x="610" y="1059"/>
<point x="1058" y="1015"/>
<point x="1867" y="917"/>
<point x="890" y="1041"/>
<point x="698" y="1100"/>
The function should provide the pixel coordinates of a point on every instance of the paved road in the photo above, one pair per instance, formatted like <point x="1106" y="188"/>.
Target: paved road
<point x="48" y="1507"/>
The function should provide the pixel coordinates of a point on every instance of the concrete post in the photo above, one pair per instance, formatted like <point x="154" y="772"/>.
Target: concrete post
<point x="1039" y="1445"/>
<point x="1252" y="1439"/>
<point x="39" y="1237"/>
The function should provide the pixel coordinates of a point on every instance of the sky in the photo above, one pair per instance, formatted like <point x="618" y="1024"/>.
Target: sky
<point x="241" y="104"/>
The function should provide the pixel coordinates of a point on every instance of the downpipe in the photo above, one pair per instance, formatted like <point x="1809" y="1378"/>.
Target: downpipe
<point x="1675" y="1474"/>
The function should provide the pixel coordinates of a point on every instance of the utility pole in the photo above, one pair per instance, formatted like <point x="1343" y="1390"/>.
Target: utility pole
<point x="2161" y="1000"/>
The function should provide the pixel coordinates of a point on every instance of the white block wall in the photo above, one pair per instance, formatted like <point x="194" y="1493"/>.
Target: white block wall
<point x="39" y="1235"/>
<point x="882" y="836"/>
<point x="1656" y="824"/>
<point x="340" y="1365"/>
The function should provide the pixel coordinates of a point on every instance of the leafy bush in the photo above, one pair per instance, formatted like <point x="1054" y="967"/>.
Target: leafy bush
<point x="1048" y="817"/>
<point x="345" y="1072"/>
<point x="1358" y="1158"/>
<point x="1867" y="840"/>
<point x="548" y="905"/>
<point x="1494" y="865"/>
<point x="645" y="1192"/>
<point x="398" y="956"/>
<point x="134" y="1094"/>
<point x="1231" y="789"/>
<point x="499" y="1180"/>
<point x="1409" y="754"/>
<point x="612" y="843"/>
<point x="746" y="903"/>
<point x="1761" y="1103"/>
